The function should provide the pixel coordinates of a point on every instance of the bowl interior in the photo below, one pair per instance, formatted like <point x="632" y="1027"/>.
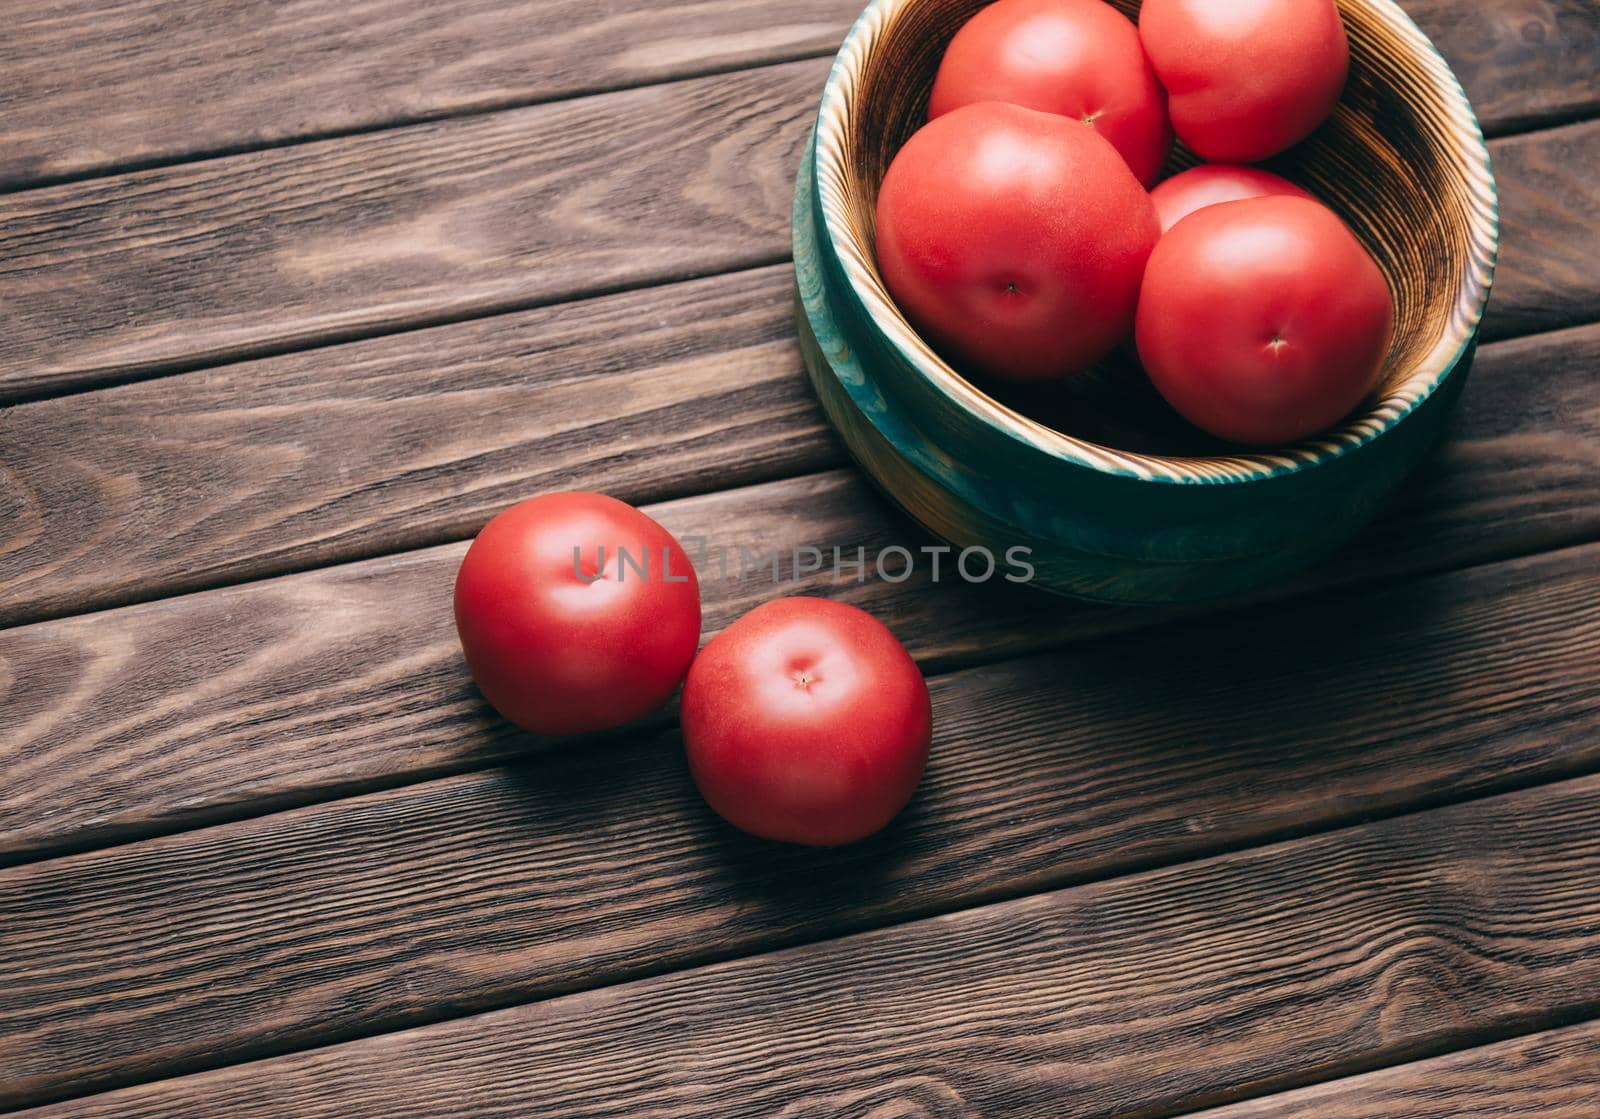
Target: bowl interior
<point x="1402" y="161"/>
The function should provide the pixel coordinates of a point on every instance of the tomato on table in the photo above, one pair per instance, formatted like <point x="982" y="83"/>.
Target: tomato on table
<point x="1079" y="58"/>
<point x="1263" y="321"/>
<point x="806" y="721"/>
<point x="576" y="613"/>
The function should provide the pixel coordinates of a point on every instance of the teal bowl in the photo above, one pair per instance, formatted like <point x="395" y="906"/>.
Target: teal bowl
<point x="1115" y="499"/>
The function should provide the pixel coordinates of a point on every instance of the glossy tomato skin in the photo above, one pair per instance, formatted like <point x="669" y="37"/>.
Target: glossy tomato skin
<point x="1014" y="240"/>
<point x="560" y="645"/>
<point x="1079" y="58"/>
<point x="1211" y="183"/>
<point x="806" y="721"/>
<point x="1263" y="321"/>
<point x="1246" y="79"/>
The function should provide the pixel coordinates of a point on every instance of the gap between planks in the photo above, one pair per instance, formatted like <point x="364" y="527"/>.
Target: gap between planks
<point x="229" y="151"/>
<point x="1553" y="1074"/>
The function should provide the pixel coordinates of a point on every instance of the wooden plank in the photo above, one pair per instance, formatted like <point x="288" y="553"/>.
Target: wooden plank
<point x="211" y="705"/>
<point x="400" y="442"/>
<point x="92" y="87"/>
<point x="1549" y="230"/>
<point x="1552" y="1075"/>
<point x="1148" y="995"/>
<point x="180" y="267"/>
<point x="1524" y="63"/>
<point x="372" y="233"/>
<point x="371" y="913"/>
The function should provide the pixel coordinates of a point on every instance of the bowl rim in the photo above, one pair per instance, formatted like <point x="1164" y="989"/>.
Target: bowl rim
<point x="827" y="151"/>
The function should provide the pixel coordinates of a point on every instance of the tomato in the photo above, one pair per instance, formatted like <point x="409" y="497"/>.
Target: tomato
<point x="1079" y="58"/>
<point x="1263" y="321"/>
<point x="576" y="613"/>
<point x="1014" y="240"/>
<point x="1246" y="78"/>
<point x="806" y="721"/>
<point x="1211" y="183"/>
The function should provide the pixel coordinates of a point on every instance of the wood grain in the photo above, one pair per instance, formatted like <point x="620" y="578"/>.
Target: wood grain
<point x="366" y="234"/>
<point x="1552" y="1075"/>
<point x="512" y="872"/>
<point x="307" y="459"/>
<point x="92" y="87"/>
<point x="1549" y="225"/>
<point x="180" y="267"/>
<point x="1147" y="995"/>
<point x="1523" y="63"/>
<point x="210" y="705"/>
<point x="588" y="866"/>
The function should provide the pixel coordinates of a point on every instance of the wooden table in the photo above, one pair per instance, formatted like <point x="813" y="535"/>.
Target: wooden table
<point x="298" y="294"/>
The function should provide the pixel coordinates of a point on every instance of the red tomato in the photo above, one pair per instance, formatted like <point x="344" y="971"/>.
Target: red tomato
<point x="563" y="638"/>
<point x="1246" y="78"/>
<point x="1263" y="321"/>
<point x="1078" y="58"/>
<point x="1211" y="183"/>
<point x="806" y="721"/>
<point x="1014" y="239"/>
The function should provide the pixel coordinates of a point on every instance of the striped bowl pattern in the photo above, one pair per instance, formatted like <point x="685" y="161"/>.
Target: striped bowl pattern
<point x="1131" y="512"/>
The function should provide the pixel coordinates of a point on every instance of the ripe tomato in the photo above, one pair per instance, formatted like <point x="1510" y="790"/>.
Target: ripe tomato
<point x="1211" y="183"/>
<point x="1014" y="239"/>
<point x="1246" y="78"/>
<point x="576" y="613"/>
<point x="806" y="721"/>
<point x="1263" y="321"/>
<point x="1078" y="58"/>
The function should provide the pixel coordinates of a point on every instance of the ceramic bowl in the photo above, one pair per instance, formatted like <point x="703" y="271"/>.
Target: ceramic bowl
<point x="1116" y="499"/>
